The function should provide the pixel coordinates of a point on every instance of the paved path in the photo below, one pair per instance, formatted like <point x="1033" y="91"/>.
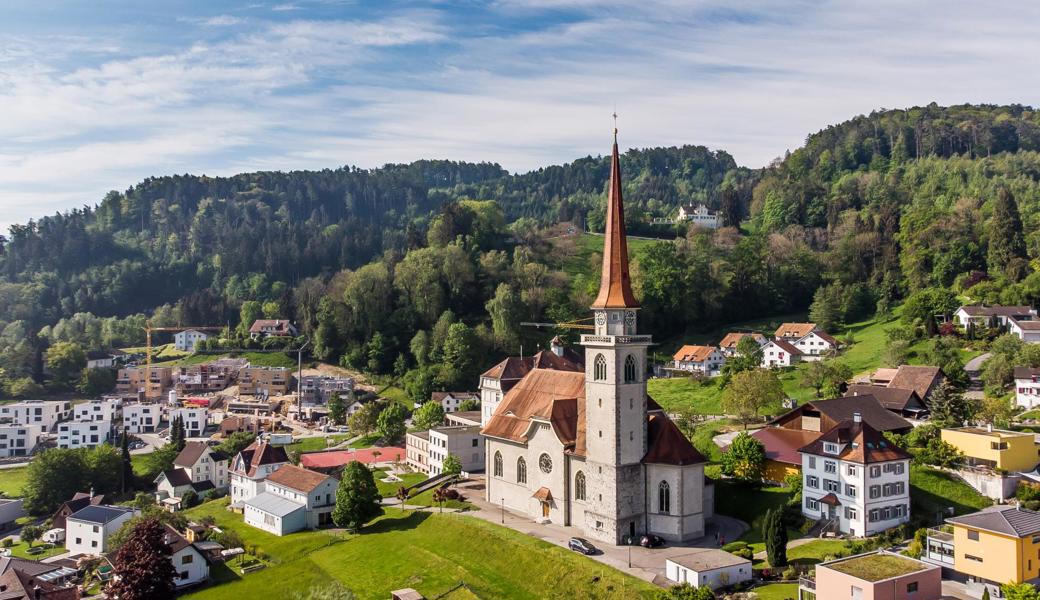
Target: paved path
<point x="791" y="544"/>
<point x="974" y="365"/>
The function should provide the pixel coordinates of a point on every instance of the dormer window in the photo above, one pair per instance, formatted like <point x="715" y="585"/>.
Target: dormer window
<point x="830" y="448"/>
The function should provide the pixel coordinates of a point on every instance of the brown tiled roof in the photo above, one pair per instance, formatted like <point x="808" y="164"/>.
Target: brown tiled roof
<point x="830" y="499"/>
<point x="18" y="584"/>
<point x="794" y="330"/>
<point x="615" y="287"/>
<point x="543" y="494"/>
<point x="193" y="451"/>
<point x="862" y="444"/>
<point x="667" y="445"/>
<point x="917" y="378"/>
<point x="891" y="398"/>
<point x="782" y="444"/>
<point x="872" y="411"/>
<point x="830" y="339"/>
<point x="531" y="398"/>
<point x="690" y="353"/>
<point x="297" y="478"/>
<point x="174" y="539"/>
<point x="733" y="338"/>
<point x="260" y="453"/>
<point x="280" y="325"/>
<point x="1012" y="521"/>
<point x="177" y="477"/>
<point x="1026" y="372"/>
<point x="565" y="420"/>
<point x="786" y="347"/>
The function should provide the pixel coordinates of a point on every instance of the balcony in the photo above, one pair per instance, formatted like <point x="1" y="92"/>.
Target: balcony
<point x="939" y="547"/>
<point x="807" y="583"/>
<point x="616" y="339"/>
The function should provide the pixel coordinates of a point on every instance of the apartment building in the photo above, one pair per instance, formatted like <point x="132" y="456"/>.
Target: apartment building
<point x="264" y="381"/>
<point x="45" y="413"/>
<point x="204" y="379"/>
<point x="195" y="420"/>
<point x="83" y="434"/>
<point x="17" y="439"/>
<point x="319" y="389"/>
<point x="1011" y="451"/>
<point x="141" y="418"/>
<point x="152" y="381"/>
<point x="463" y="442"/>
<point x="106" y="409"/>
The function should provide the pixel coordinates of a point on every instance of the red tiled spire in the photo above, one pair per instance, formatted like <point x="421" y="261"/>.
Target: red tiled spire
<point x="615" y="288"/>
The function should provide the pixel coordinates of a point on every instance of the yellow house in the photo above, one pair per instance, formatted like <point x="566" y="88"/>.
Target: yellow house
<point x="994" y="448"/>
<point x="996" y="546"/>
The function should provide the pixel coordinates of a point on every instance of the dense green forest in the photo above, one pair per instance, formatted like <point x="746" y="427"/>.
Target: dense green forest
<point x="426" y="270"/>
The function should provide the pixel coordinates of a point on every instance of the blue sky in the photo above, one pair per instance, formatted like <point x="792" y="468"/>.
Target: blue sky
<point x="98" y="95"/>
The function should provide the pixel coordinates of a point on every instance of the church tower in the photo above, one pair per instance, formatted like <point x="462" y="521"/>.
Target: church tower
<point x="615" y="387"/>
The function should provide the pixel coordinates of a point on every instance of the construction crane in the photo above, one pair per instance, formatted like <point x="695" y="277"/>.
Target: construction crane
<point x="148" y="336"/>
<point x="576" y="324"/>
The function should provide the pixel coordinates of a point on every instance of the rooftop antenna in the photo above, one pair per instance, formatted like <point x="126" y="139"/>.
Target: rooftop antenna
<point x="615" y="122"/>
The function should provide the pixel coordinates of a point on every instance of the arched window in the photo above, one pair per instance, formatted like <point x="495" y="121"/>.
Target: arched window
<point x="664" y="497"/>
<point x="630" y="369"/>
<point x="599" y="372"/>
<point x="579" y="486"/>
<point x="498" y="464"/>
<point x="521" y="470"/>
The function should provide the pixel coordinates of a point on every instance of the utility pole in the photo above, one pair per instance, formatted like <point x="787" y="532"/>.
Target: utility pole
<point x="299" y="381"/>
<point x="503" y="511"/>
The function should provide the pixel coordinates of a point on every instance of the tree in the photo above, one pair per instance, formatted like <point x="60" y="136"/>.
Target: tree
<point x="505" y="310"/>
<point x="440" y="495"/>
<point x="143" y="569"/>
<point x="329" y="591"/>
<point x="923" y="306"/>
<point x="94" y="382"/>
<point x="826" y="308"/>
<point x="177" y="434"/>
<point x="949" y="408"/>
<point x="985" y="593"/>
<point x="940" y="453"/>
<point x="996" y="410"/>
<point x="1020" y="591"/>
<point x="390" y="423"/>
<point x="745" y="458"/>
<point x="775" y="534"/>
<point x="945" y="353"/>
<point x="236" y="442"/>
<point x="751" y="391"/>
<point x="66" y="361"/>
<point x="430" y="414"/>
<point x="189" y="499"/>
<point x="826" y="377"/>
<point x="126" y="474"/>
<point x="159" y="461"/>
<point x="365" y="420"/>
<point x="469" y="404"/>
<point x="418" y="384"/>
<point x="337" y="409"/>
<point x="357" y="499"/>
<point x="686" y="591"/>
<point x="997" y="373"/>
<point x="452" y="465"/>
<point x="1006" y="243"/>
<point x="402" y="496"/>
<point x="250" y="311"/>
<point x="52" y="478"/>
<point x="25" y="387"/>
<point x="747" y="356"/>
<point x="31" y="533"/>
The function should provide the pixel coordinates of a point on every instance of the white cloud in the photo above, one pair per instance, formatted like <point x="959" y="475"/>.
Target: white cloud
<point x="221" y="21"/>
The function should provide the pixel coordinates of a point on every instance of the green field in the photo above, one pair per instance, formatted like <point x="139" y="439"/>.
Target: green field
<point x="749" y="503"/>
<point x="426" y="551"/>
<point x="12" y="480"/>
<point x="587" y="250"/>
<point x="20" y="550"/>
<point x="933" y="491"/>
<point x="777" y="591"/>
<point x="314" y="444"/>
<point x="389" y="490"/>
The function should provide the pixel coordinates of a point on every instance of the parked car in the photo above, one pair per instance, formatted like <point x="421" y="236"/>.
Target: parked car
<point x="134" y="445"/>
<point x="651" y="541"/>
<point x="581" y="545"/>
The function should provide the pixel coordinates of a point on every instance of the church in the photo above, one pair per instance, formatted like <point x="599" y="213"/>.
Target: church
<point x="576" y="440"/>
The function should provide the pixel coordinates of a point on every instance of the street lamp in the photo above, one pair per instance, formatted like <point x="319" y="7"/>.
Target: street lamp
<point x="503" y="510"/>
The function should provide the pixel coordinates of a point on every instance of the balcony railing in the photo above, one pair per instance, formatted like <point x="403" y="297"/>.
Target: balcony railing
<point x="807" y="583"/>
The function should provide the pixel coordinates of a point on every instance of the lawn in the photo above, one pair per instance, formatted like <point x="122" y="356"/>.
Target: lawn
<point x="20" y="550"/>
<point x="815" y="551"/>
<point x="12" y="480"/>
<point x="678" y="393"/>
<point x="389" y="490"/>
<point x="777" y="591"/>
<point x="875" y="567"/>
<point x="933" y="491"/>
<point x="749" y="504"/>
<point x="585" y="247"/>
<point x="426" y="499"/>
<point x="313" y="444"/>
<point x="431" y="553"/>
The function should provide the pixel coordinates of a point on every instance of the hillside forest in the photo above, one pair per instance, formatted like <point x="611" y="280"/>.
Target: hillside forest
<point x="424" y="271"/>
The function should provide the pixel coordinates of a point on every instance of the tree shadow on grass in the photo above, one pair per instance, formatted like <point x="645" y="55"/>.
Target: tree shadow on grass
<point x="394" y="520"/>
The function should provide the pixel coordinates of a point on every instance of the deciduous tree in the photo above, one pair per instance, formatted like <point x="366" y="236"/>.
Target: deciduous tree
<point x="357" y="499"/>
<point x="751" y="391"/>
<point x="142" y="568"/>
<point x="745" y="458"/>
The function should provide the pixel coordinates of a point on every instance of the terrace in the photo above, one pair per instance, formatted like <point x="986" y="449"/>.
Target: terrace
<point x="939" y="546"/>
<point x="876" y="567"/>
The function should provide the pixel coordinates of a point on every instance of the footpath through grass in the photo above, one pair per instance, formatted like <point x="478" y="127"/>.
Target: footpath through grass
<point x="426" y="551"/>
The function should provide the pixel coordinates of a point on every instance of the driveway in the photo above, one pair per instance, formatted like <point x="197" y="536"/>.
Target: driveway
<point x="974" y="366"/>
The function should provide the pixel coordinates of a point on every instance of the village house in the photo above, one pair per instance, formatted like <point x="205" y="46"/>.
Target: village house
<point x="904" y="402"/>
<point x="45" y="413"/>
<point x="992" y="547"/>
<point x="780" y="353"/>
<point x="1011" y="451"/>
<point x="451" y="401"/>
<point x="83" y="434"/>
<point x="816" y="345"/>
<point x="22" y="579"/>
<point x="250" y="469"/>
<point x="700" y="215"/>
<point x="991" y="316"/>
<point x="188" y="340"/>
<point x="199" y="468"/>
<point x="793" y="332"/>
<point x="190" y="563"/>
<point x="855" y="480"/>
<point x="69" y="507"/>
<point x="153" y="382"/>
<point x="264" y="381"/>
<point x="729" y="342"/>
<point x="589" y="449"/>
<point x="1027" y="387"/>
<point x="787" y="434"/>
<point x="921" y="379"/>
<point x="105" y="359"/>
<point x="88" y="530"/>
<point x="707" y="360"/>
<point x="265" y="328"/>
<point x="141" y="418"/>
<point x="1025" y="329"/>
<point x="876" y="575"/>
<point x="293" y="498"/>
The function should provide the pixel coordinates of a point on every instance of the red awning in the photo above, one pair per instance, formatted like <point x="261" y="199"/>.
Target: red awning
<point x="543" y="494"/>
<point x="830" y="499"/>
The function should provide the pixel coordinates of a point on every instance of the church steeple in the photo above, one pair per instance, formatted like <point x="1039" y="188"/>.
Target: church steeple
<point x="615" y="288"/>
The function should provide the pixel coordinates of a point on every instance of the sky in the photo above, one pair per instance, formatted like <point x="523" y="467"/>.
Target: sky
<point x="98" y="95"/>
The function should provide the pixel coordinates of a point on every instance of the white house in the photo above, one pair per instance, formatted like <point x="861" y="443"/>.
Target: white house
<point x="194" y="420"/>
<point x="198" y="467"/>
<point x="856" y="480"/>
<point x="1027" y="387"/>
<point x="815" y="345"/>
<point x="729" y="343"/>
<point x="982" y="315"/>
<point x="264" y="328"/>
<point x="83" y="434"/>
<point x="294" y="498"/>
<point x="106" y="409"/>
<point x="18" y="440"/>
<point x="708" y="567"/>
<point x="251" y="468"/>
<point x="451" y="401"/>
<point x="87" y="530"/>
<point x="10" y="511"/>
<point x="45" y="413"/>
<point x="464" y="442"/>
<point x="188" y="340"/>
<point x="319" y="389"/>
<point x="1027" y="330"/>
<point x="141" y="418"/>
<point x="190" y="564"/>
<point x="700" y="215"/>
<point x="780" y="353"/>
<point x="699" y="359"/>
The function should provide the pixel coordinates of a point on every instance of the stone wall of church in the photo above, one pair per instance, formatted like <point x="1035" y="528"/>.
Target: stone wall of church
<point x="519" y="496"/>
<point x="684" y="518"/>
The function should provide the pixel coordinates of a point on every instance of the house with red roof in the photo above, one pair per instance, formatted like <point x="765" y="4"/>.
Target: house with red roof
<point x="251" y="468"/>
<point x="780" y="353"/>
<point x="293" y="499"/>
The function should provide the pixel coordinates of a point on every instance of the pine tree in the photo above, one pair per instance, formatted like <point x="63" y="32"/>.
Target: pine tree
<point x="126" y="476"/>
<point x="143" y="570"/>
<point x="358" y="499"/>
<point x="775" y="535"/>
<point x="1006" y="243"/>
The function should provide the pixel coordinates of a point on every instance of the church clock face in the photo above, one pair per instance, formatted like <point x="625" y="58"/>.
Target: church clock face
<point x="630" y="317"/>
<point x="601" y="318"/>
<point x="545" y="463"/>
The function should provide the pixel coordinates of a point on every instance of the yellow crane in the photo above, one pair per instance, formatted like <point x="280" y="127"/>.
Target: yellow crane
<point x="576" y="324"/>
<point x="148" y="336"/>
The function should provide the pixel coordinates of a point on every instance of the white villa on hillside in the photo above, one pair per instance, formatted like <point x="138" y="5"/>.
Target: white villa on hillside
<point x="707" y="360"/>
<point x="700" y="215"/>
<point x="293" y="498"/>
<point x="780" y="353"/>
<point x="251" y="468"/>
<point x="1027" y="387"/>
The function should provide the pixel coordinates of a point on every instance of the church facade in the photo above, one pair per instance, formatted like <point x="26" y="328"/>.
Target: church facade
<point x="580" y="443"/>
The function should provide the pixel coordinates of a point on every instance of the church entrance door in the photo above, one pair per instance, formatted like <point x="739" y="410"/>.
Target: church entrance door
<point x="545" y="509"/>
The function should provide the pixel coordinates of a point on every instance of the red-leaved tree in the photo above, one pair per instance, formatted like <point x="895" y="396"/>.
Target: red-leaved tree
<point x="143" y="570"/>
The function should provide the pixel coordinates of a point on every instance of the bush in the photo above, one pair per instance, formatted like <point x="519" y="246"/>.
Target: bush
<point x="732" y="546"/>
<point x="189" y="499"/>
<point x="8" y="542"/>
<point x="790" y="573"/>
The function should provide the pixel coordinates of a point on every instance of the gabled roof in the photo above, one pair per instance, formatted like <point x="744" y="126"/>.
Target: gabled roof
<point x="273" y="505"/>
<point x="667" y="445"/>
<point x="174" y="539"/>
<point x="733" y="338"/>
<point x="891" y="398"/>
<point x="615" y="286"/>
<point x="296" y="478"/>
<point x="176" y="477"/>
<point x="100" y="514"/>
<point x="860" y="442"/>
<point x="438" y="396"/>
<point x="257" y="454"/>
<point x="532" y="398"/>
<point x="823" y="335"/>
<point x="982" y="310"/>
<point x="279" y="325"/>
<point x="1008" y="520"/>
<point x="782" y="444"/>
<point x="917" y="378"/>
<point x="193" y="451"/>
<point x="869" y="408"/>
<point x="785" y="346"/>
<point x="1026" y="372"/>
<point x="794" y="330"/>
<point x="19" y="581"/>
<point x="690" y="353"/>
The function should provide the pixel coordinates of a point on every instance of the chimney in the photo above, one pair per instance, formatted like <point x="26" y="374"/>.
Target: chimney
<point x="91" y="492"/>
<point x="856" y="417"/>
<point x="989" y="427"/>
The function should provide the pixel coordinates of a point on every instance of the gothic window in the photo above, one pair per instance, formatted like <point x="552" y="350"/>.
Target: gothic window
<point x="599" y="372"/>
<point x="545" y="463"/>
<point x="630" y="369"/>
<point x="579" y="486"/>
<point x="664" y="498"/>
<point x="498" y="464"/>
<point x="521" y="470"/>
